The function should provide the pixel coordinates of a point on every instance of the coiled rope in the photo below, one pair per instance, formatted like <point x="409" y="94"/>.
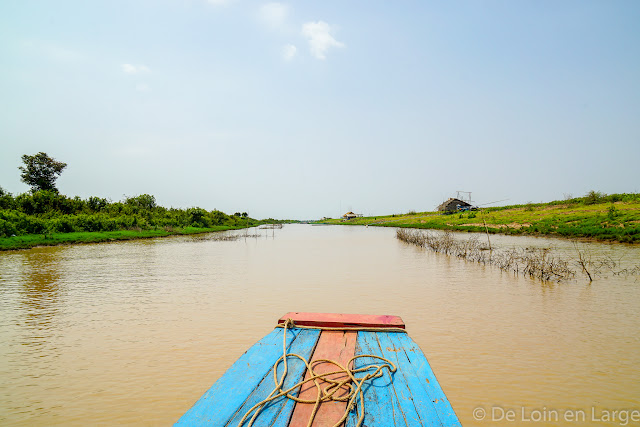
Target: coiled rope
<point x="354" y="384"/>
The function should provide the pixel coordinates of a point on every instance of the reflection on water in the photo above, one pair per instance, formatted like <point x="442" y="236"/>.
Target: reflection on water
<point x="134" y="332"/>
<point x="40" y="296"/>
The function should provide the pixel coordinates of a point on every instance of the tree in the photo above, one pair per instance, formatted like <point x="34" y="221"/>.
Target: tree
<point x="143" y="201"/>
<point x="41" y="171"/>
<point x="6" y="199"/>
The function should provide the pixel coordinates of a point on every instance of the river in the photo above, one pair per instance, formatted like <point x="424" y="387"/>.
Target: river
<point x="132" y="333"/>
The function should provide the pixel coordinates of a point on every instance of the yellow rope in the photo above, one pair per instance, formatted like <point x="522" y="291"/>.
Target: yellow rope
<point x="329" y="393"/>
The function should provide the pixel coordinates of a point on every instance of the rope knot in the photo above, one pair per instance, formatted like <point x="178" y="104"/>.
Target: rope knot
<point x="328" y="393"/>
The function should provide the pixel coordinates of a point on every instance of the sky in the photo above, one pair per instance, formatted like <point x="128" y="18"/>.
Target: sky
<point x="308" y="109"/>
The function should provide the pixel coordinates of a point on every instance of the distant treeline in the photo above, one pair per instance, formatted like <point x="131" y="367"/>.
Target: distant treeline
<point x="45" y="212"/>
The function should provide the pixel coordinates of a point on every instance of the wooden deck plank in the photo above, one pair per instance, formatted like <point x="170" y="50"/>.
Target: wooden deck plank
<point x="381" y="406"/>
<point x="415" y="403"/>
<point x="231" y="390"/>
<point x="424" y="376"/>
<point x="279" y="411"/>
<point x="337" y="320"/>
<point x="411" y="396"/>
<point x="332" y="345"/>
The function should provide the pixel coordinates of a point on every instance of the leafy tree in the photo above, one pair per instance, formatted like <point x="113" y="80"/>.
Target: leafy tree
<point x="143" y="201"/>
<point x="244" y="214"/>
<point x="96" y="203"/>
<point x="198" y="217"/>
<point x="41" y="171"/>
<point x="6" y="199"/>
<point x="218" y="218"/>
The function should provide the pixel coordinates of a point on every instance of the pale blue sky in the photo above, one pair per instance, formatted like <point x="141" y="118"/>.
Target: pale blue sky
<point x="310" y="109"/>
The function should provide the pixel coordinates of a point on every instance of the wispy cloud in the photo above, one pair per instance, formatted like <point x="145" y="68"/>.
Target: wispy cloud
<point x="134" y="69"/>
<point x="320" y="39"/>
<point x="274" y="14"/>
<point x="289" y="51"/>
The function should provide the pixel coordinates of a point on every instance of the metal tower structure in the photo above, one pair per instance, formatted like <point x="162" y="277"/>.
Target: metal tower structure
<point x="465" y="196"/>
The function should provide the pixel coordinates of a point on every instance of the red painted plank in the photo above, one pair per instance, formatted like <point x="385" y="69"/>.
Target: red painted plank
<point x="336" y="320"/>
<point x="333" y="345"/>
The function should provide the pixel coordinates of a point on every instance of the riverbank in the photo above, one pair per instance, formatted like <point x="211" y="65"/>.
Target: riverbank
<point x="54" y="239"/>
<point x="46" y="218"/>
<point x="614" y="217"/>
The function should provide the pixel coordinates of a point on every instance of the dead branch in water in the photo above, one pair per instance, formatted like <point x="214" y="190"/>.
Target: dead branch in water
<point x="532" y="262"/>
<point x="600" y="266"/>
<point x="219" y="237"/>
<point x="584" y="261"/>
<point x="539" y="263"/>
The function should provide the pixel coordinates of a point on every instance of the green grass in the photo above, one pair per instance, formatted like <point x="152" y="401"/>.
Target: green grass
<point x="604" y="219"/>
<point x="32" y="240"/>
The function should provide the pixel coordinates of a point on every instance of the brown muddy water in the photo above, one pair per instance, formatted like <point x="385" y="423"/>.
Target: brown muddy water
<point x="132" y="333"/>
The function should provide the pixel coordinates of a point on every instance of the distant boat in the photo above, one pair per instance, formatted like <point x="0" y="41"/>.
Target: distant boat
<point x="386" y="380"/>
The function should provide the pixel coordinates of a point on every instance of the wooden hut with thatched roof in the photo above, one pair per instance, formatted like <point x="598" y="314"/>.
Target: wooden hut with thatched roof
<point x="453" y="205"/>
<point x="349" y="215"/>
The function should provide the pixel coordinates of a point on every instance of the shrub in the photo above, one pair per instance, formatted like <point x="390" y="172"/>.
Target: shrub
<point x="6" y="200"/>
<point x="143" y="201"/>
<point x="593" y="197"/>
<point x="218" y="218"/>
<point x="7" y="229"/>
<point x="198" y="218"/>
<point x="47" y="211"/>
<point x="96" y="203"/>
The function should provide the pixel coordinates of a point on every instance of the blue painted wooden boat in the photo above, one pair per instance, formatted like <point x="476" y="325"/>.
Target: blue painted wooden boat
<point x="349" y="369"/>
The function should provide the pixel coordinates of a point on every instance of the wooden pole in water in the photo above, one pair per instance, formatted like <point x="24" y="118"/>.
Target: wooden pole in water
<point x="487" y="230"/>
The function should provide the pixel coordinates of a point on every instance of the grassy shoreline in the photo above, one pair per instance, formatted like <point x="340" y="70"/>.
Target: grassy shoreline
<point x="614" y="218"/>
<point x="54" y="239"/>
<point x="47" y="218"/>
